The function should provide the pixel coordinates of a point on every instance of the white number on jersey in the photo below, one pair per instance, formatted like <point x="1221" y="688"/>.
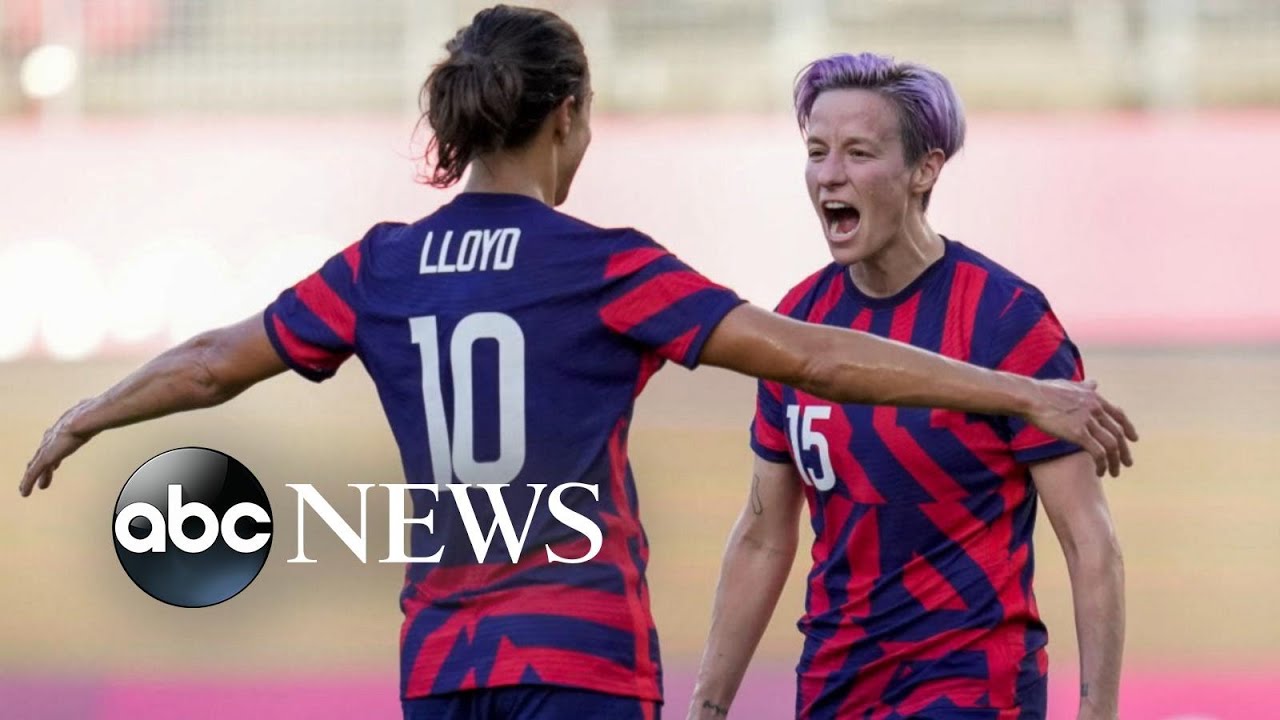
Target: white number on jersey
<point x="803" y="435"/>
<point x="458" y="457"/>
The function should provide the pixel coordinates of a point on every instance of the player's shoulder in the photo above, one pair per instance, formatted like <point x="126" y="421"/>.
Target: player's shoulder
<point x="362" y="253"/>
<point x="619" y="251"/>
<point x="800" y="298"/>
<point x="383" y="232"/>
<point x="1003" y="286"/>
<point x="577" y="225"/>
<point x="607" y="240"/>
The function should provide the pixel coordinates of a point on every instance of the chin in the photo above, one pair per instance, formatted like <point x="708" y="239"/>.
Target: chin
<point x="847" y="252"/>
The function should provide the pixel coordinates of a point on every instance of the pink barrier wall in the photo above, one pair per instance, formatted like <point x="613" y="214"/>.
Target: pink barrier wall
<point x="1140" y="230"/>
<point x="766" y="694"/>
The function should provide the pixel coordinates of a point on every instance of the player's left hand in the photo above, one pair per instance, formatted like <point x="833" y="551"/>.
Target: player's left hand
<point x="59" y="441"/>
<point x="1077" y="413"/>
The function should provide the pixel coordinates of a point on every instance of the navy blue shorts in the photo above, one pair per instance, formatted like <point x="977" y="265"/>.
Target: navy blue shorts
<point x="530" y="702"/>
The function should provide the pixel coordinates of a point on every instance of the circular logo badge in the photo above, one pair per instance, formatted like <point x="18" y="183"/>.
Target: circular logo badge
<point x="192" y="527"/>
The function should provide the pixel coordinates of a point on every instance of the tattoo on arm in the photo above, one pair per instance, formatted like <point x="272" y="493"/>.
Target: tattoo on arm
<point x="1084" y="690"/>
<point x="718" y="710"/>
<point x="757" y="505"/>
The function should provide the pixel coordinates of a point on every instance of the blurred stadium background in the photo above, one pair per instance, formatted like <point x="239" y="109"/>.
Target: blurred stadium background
<point x="166" y="165"/>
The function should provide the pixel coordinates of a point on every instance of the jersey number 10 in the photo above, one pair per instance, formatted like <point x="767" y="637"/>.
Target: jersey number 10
<point x="459" y="457"/>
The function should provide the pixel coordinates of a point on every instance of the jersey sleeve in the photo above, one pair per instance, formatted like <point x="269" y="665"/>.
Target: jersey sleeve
<point x="768" y="432"/>
<point x="1030" y="341"/>
<point x="312" y="324"/>
<point x="656" y="300"/>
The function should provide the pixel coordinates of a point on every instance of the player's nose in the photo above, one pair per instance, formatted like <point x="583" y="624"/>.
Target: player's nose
<point x="831" y="172"/>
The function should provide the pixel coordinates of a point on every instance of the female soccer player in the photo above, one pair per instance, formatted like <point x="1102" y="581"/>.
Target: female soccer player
<point x="507" y="343"/>
<point x="919" y="601"/>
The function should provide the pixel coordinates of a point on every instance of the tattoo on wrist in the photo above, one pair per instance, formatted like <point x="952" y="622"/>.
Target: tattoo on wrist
<point x="757" y="505"/>
<point x="718" y="710"/>
<point x="1084" y="690"/>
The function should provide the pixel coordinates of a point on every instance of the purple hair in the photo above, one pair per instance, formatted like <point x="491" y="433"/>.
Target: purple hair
<point x="929" y="113"/>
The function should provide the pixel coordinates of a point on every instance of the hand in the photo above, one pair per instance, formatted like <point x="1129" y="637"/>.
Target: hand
<point x="1088" y="714"/>
<point x="59" y="442"/>
<point x="1076" y="413"/>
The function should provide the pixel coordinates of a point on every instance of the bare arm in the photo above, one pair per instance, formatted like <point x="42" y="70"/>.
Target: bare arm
<point x="756" y="562"/>
<point x="1077" y="508"/>
<point x="852" y="367"/>
<point x="206" y="370"/>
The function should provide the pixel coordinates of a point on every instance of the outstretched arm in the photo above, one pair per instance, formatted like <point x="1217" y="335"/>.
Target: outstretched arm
<point x="207" y="370"/>
<point x="761" y="549"/>
<point x="1077" y="508"/>
<point x="852" y="367"/>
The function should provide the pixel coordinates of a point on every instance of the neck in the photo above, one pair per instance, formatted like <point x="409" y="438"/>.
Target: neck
<point x="514" y="173"/>
<point x="908" y="254"/>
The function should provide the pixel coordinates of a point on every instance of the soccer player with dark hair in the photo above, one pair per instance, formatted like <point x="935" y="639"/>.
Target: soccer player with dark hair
<point x="508" y="342"/>
<point x="920" y="601"/>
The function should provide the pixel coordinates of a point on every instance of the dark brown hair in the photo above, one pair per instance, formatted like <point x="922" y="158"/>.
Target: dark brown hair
<point x="505" y="73"/>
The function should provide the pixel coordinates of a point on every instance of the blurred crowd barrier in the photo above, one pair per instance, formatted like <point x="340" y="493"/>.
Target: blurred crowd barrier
<point x="144" y="56"/>
<point x="120" y="237"/>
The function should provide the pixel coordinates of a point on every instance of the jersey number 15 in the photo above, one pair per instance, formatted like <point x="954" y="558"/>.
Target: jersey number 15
<point x="803" y="435"/>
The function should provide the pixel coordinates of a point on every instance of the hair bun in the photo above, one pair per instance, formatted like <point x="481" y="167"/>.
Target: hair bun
<point x="468" y="58"/>
<point x="503" y="75"/>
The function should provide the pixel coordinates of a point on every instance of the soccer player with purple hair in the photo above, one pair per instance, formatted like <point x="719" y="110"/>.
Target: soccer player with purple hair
<point x="920" y="601"/>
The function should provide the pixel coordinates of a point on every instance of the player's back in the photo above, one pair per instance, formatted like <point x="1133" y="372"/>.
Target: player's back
<point x="507" y="342"/>
<point x="480" y="327"/>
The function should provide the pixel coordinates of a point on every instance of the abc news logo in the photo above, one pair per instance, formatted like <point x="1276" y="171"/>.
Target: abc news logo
<point x="192" y="526"/>
<point x="214" y="513"/>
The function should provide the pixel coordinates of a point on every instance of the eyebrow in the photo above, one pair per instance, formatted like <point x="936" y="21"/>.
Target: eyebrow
<point x="846" y="142"/>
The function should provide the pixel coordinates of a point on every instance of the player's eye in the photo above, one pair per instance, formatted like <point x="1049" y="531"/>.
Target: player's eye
<point x="860" y="154"/>
<point x="817" y="153"/>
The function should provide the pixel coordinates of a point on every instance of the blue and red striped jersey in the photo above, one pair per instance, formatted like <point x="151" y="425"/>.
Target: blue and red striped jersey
<point x="508" y="342"/>
<point x="920" y="601"/>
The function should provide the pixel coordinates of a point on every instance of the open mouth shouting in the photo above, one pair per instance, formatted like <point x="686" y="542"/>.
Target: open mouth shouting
<point x="842" y="220"/>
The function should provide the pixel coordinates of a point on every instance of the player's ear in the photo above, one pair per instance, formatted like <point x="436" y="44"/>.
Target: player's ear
<point x="562" y="118"/>
<point x="926" y="171"/>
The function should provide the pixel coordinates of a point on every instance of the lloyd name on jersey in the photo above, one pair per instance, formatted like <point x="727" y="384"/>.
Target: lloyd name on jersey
<point x="476" y="250"/>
